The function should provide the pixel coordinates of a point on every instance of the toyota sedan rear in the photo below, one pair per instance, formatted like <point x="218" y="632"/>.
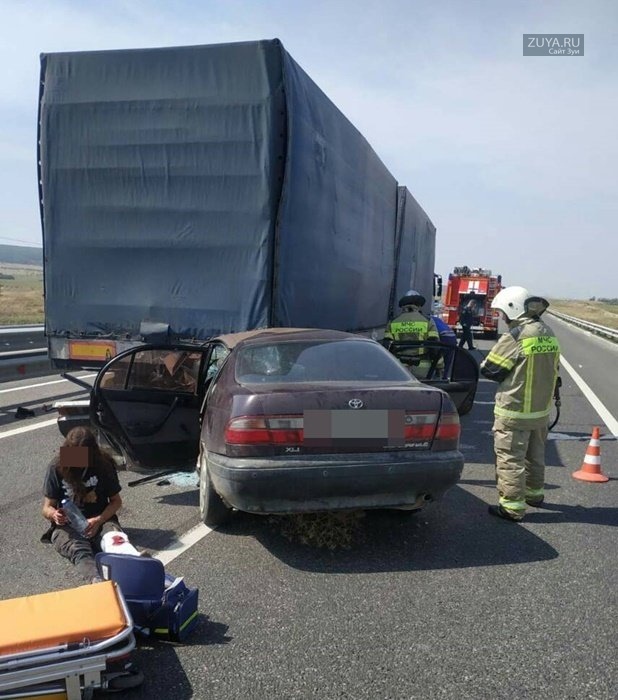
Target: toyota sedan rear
<point x="284" y="421"/>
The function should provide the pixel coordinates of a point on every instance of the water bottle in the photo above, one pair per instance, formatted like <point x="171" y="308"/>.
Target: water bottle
<point x="74" y="515"/>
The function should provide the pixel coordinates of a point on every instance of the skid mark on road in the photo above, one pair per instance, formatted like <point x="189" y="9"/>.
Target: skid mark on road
<point x="576" y="436"/>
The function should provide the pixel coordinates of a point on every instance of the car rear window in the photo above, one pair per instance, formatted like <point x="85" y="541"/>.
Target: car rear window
<point x="318" y="361"/>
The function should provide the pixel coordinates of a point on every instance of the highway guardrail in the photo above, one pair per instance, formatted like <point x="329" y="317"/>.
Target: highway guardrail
<point x="24" y="363"/>
<point x="10" y="330"/>
<point x="609" y="333"/>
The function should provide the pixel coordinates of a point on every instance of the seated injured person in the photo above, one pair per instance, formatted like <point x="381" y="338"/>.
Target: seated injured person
<point x="84" y="474"/>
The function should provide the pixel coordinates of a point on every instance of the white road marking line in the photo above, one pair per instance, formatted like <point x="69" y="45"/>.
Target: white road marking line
<point x="604" y="414"/>
<point x="184" y="542"/>
<point x="28" y="428"/>
<point x="36" y="386"/>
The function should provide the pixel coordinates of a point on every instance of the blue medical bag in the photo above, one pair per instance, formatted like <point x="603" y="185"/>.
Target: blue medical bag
<point x="161" y="605"/>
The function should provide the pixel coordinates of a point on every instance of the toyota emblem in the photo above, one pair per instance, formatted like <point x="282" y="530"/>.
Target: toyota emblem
<point x="355" y="403"/>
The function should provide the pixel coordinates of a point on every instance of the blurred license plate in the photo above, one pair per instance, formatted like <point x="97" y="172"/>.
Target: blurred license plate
<point x="378" y="427"/>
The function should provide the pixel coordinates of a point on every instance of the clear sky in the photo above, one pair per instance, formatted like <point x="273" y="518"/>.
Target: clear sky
<point x="514" y="158"/>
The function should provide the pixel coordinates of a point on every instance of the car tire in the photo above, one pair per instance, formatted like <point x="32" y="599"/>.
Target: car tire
<point x="213" y="510"/>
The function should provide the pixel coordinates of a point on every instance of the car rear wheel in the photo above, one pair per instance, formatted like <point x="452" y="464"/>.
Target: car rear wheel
<point x="213" y="510"/>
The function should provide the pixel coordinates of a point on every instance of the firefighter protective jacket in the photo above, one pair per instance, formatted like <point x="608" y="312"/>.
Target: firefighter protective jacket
<point x="413" y="326"/>
<point x="525" y="363"/>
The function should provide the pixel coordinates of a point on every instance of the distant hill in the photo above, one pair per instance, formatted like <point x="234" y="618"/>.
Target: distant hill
<point x="21" y="255"/>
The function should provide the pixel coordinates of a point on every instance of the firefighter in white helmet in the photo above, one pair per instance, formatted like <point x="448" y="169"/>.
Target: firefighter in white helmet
<point x="413" y="325"/>
<point x="524" y="362"/>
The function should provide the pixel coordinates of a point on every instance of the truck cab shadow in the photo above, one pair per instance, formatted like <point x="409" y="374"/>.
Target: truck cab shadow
<point x="456" y="532"/>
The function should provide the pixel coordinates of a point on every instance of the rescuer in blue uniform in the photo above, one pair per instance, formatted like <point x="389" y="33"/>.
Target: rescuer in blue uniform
<point x="448" y="337"/>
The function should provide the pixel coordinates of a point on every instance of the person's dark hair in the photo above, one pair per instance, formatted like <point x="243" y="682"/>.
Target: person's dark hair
<point x="100" y="462"/>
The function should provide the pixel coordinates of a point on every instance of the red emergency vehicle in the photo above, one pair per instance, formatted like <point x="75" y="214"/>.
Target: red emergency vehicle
<point x="476" y="288"/>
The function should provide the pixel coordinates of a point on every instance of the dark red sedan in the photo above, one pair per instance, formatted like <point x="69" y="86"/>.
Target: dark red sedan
<point x="283" y="421"/>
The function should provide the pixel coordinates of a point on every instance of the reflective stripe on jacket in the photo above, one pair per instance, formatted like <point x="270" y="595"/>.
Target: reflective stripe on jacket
<point x="525" y="363"/>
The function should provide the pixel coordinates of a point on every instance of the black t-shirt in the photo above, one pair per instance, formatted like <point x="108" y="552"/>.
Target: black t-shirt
<point x="99" y="488"/>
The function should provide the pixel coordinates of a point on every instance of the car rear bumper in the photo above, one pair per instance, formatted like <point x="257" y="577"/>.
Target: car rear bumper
<point x="296" y="484"/>
<point x="72" y="414"/>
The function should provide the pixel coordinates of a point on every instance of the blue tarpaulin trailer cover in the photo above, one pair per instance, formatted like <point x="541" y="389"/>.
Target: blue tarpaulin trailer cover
<point x="214" y="189"/>
<point x="416" y="244"/>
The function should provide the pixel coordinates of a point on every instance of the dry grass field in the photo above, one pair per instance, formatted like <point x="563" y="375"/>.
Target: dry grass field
<point x="21" y="298"/>
<point x="593" y="311"/>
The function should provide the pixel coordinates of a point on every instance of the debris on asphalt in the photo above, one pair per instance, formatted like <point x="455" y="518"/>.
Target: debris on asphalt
<point x="328" y="530"/>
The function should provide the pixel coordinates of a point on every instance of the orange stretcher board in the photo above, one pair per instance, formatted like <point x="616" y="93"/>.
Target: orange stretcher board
<point x="59" y="644"/>
<point x="60" y="617"/>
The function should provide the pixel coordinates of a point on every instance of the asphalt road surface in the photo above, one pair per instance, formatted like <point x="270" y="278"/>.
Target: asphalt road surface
<point x="448" y="603"/>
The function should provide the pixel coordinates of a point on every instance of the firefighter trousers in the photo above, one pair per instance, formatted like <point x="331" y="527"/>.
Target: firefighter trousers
<point x="520" y="466"/>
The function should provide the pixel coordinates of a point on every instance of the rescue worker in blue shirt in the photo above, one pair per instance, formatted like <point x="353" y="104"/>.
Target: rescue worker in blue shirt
<point x="413" y="325"/>
<point x="524" y="362"/>
<point x="448" y="337"/>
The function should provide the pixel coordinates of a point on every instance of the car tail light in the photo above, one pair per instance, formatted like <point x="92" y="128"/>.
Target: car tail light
<point x="419" y="426"/>
<point x="447" y="432"/>
<point x="265" y="430"/>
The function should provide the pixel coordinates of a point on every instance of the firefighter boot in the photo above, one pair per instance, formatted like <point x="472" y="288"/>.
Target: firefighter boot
<point x="500" y="512"/>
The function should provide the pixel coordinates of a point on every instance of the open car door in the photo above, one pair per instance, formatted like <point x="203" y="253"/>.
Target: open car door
<point x="148" y="401"/>
<point x="450" y="368"/>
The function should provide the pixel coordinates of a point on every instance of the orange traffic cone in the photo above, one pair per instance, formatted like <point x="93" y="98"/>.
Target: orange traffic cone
<point x="591" y="468"/>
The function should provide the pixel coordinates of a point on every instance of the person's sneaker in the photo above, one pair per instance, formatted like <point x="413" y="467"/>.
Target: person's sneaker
<point x="500" y="512"/>
<point x="535" y="502"/>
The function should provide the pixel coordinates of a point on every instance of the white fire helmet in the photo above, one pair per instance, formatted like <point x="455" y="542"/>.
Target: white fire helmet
<point x="511" y="300"/>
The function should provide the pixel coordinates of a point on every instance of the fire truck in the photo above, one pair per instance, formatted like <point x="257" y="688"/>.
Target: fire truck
<point x="474" y="287"/>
